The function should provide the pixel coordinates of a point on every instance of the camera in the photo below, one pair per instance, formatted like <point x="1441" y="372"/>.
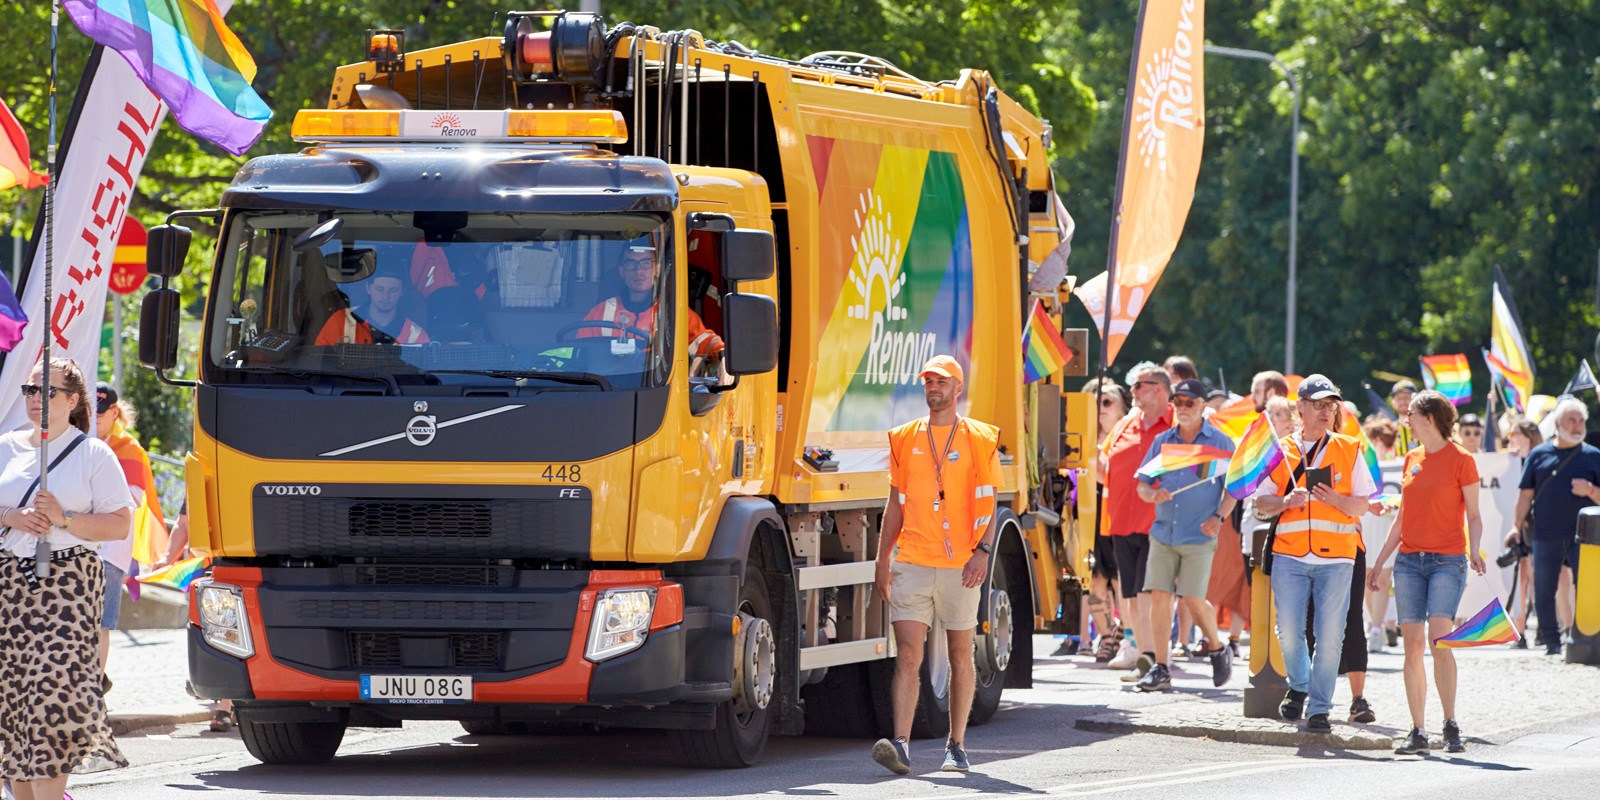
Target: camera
<point x="1513" y="553"/>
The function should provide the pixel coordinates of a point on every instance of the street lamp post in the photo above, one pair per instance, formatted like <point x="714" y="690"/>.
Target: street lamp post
<point x="1294" y="185"/>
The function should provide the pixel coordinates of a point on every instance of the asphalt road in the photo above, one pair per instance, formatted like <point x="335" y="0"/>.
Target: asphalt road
<point x="1031" y="748"/>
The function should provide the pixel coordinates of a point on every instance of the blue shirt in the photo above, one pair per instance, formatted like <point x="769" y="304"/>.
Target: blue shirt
<point x="1178" y="520"/>
<point x="1555" y="507"/>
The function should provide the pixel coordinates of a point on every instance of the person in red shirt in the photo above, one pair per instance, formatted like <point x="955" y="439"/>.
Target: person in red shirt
<point x="1130" y="518"/>
<point x="938" y="534"/>
<point x="636" y="307"/>
<point x="379" y="322"/>
<point x="1437" y="531"/>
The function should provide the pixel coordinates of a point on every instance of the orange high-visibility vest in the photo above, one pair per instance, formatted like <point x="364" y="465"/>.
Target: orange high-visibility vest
<point x="702" y="342"/>
<point x="344" y="327"/>
<point x="1317" y="528"/>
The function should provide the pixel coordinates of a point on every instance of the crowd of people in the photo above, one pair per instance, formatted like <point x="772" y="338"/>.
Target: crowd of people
<point x="1170" y="552"/>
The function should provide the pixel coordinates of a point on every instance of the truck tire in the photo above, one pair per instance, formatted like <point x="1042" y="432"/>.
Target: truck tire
<point x="738" y="739"/>
<point x="986" y="698"/>
<point x="291" y="742"/>
<point x="842" y="704"/>
<point x="931" y="719"/>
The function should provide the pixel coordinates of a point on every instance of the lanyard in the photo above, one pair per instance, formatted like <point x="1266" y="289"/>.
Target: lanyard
<point x="938" y="478"/>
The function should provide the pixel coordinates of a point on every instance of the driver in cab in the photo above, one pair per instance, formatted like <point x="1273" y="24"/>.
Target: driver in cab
<point x="378" y="322"/>
<point x="636" y="307"/>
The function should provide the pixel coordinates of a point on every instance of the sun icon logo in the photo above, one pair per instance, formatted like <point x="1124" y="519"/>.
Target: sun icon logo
<point x="446" y="121"/>
<point x="877" y="251"/>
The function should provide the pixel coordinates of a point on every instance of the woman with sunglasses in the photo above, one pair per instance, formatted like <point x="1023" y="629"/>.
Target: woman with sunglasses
<point x="1102" y="599"/>
<point x="52" y="714"/>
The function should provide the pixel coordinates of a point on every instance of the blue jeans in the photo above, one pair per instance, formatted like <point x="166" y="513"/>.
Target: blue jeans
<point x="1428" y="585"/>
<point x="1326" y="588"/>
<point x="1548" y="556"/>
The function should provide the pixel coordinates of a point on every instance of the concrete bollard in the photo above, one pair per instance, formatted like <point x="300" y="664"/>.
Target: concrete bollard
<point x="1585" y="647"/>
<point x="1269" y="680"/>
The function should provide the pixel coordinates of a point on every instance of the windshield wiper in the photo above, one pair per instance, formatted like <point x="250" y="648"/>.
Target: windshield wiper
<point x="384" y="378"/>
<point x="576" y="378"/>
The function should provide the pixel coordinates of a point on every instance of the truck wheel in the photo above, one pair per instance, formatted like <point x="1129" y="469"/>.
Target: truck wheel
<point x="841" y="704"/>
<point x="995" y="648"/>
<point x="743" y="723"/>
<point x="291" y="742"/>
<point x="931" y="719"/>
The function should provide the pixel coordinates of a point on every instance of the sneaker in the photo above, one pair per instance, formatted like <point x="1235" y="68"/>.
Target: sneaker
<point x="1361" y="711"/>
<point x="1141" y="668"/>
<point x="1375" y="640"/>
<point x="1068" y="647"/>
<point x="1127" y="655"/>
<point x="1552" y="649"/>
<point x="1393" y="635"/>
<point x="1318" y="723"/>
<point x="1233" y="647"/>
<point x="1221" y="665"/>
<point x="894" y="755"/>
<point x="1293" y="704"/>
<point x="1158" y="679"/>
<point x="1415" y="744"/>
<point x="1452" y="737"/>
<point x="955" y="759"/>
<point x="1522" y="641"/>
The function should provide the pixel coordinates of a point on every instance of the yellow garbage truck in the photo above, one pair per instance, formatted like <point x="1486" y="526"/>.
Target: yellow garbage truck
<point x="547" y="386"/>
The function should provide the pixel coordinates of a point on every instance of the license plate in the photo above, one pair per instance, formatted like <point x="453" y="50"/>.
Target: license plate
<point x="419" y="689"/>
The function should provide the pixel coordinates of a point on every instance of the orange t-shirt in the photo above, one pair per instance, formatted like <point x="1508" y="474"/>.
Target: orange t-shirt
<point x="1433" y="511"/>
<point x="970" y="482"/>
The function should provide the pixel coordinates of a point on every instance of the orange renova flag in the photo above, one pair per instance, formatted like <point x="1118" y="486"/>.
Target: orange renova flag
<point x="1163" y="132"/>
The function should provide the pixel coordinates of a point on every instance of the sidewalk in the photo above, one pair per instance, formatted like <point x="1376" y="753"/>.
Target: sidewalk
<point x="1501" y="690"/>
<point x="149" y="670"/>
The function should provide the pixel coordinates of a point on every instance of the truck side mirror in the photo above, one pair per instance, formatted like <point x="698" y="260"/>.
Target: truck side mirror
<point x="166" y="250"/>
<point x="158" y="327"/>
<point x="747" y="255"/>
<point x="752" y="328"/>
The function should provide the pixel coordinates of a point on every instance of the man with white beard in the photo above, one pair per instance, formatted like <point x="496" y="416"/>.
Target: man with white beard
<point x="1560" y="477"/>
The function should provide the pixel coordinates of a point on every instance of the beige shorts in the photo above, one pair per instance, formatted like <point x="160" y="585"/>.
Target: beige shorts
<point x="923" y="594"/>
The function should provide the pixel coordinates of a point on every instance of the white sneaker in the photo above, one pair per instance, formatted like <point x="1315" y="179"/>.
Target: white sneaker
<point x="1126" y="657"/>
<point x="1375" y="640"/>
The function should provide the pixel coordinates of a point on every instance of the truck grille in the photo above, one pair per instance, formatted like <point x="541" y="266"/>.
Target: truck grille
<point x="441" y="575"/>
<point x="436" y="518"/>
<point x="479" y="650"/>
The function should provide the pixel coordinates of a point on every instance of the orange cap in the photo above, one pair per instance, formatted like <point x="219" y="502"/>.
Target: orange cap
<point x="943" y="365"/>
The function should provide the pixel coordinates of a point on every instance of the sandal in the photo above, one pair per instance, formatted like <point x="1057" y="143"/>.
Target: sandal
<point x="221" y="721"/>
<point x="1108" y="648"/>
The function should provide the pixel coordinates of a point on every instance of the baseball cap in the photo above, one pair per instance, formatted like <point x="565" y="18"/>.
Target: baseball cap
<point x="1318" y="387"/>
<point x="1470" y="421"/>
<point x="943" y="365"/>
<point x="1190" y="388"/>
<point x="104" y="396"/>
<point x="1403" y="386"/>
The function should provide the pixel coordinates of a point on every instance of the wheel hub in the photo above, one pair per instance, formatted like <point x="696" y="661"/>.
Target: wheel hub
<point x="755" y="665"/>
<point x="997" y="642"/>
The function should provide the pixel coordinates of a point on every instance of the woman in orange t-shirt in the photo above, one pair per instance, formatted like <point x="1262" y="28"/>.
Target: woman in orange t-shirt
<point x="1437" y="531"/>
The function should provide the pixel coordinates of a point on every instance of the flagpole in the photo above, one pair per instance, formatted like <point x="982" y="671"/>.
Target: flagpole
<point x="41" y="548"/>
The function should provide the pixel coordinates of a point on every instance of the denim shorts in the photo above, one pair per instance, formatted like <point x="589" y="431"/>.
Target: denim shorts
<point x="1428" y="585"/>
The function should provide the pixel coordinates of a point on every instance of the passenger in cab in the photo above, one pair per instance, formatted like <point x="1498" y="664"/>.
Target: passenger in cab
<point x="636" y="306"/>
<point x="379" y="321"/>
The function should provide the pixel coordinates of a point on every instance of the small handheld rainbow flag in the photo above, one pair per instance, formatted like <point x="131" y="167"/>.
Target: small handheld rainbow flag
<point x="1043" y="349"/>
<point x="1258" y="455"/>
<point x="1174" y="457"/>
<point x="1448" y="375"/>
<point x="1508" y="379"/>
<point x="1369" y="456"/>
<point x="1489" y="626"/>
<point x="179" y="574"/>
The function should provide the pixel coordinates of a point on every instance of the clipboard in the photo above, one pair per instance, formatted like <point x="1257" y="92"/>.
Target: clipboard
<point x="1318" y="475"/>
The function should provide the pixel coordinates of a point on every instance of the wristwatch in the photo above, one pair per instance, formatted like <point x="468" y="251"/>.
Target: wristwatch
<point x="985" y="547"/>
<point x="66" y="520"/>
<point x="1219" y="518"/>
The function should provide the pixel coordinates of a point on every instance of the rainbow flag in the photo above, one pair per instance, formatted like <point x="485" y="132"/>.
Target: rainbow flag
<point x="1235" y="418"/>
<point x="1507" y="343"/>
<point x="16" y="164"/>
<point x="1369" y="456"/>
<point x="1390" y="500"/>
<point x="1043" y="350"/>
<point x="1489" y="626"/>
<point x="1509" y="380"/>
<point x="184" y="52"/>
<point x="179" y="574"/>
<point x="1258" y="455"/>
<point x="1448" y="375"/>
<point x="1174" y="457"/>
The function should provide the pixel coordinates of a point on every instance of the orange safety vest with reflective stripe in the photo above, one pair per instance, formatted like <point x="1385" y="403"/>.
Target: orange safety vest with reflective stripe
<point x="702" y="342"/>
<point x="1317" y="528"/>
<point x="975" y="474"/>
<point x="344" y="327"/>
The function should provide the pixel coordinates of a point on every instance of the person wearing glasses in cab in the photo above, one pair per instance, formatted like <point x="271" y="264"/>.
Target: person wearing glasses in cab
<point x="636" y="307"/>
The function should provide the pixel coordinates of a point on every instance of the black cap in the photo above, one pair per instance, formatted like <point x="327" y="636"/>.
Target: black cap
<point x="1190" y="388"/>
<point x="1470" y="421"/>
<point x="105" y="395"/>
<point x="1403" y="386"/>
<point x="1318" y="387"/>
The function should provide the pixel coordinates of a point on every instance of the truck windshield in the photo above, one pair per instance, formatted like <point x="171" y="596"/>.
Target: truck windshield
<point x="443" y="297"/>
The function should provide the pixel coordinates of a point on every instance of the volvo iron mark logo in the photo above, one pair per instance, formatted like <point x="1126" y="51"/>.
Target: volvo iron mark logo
<point x="421" y="430"/>
<point x="291" y="489"/>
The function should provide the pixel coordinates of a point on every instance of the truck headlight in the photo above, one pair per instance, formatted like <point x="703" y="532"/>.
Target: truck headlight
<point x="621" y="621"/>
<point x="223" y="621"/>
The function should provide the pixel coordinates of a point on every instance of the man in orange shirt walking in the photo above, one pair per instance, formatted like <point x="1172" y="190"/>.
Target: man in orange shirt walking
<point x="943" y="473"/>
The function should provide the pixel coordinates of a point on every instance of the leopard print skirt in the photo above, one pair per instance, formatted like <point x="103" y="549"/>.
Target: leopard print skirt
<point x="52" y="717"/>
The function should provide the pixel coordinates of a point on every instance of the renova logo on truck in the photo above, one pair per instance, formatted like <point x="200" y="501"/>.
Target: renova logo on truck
<point x="893" y="356"/>
<point x="450" y="125"/>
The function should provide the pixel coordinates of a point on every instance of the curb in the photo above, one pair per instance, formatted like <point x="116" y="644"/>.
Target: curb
<point x="124" y="724"/>
<point x="1288" y="737"/>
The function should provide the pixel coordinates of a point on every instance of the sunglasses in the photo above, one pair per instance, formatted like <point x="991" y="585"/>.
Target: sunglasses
<point x="1147" y="383"/>
<point x="33" y="390"/>
<point x="1185" y="402"/>
<point x="1109" y="402"/>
